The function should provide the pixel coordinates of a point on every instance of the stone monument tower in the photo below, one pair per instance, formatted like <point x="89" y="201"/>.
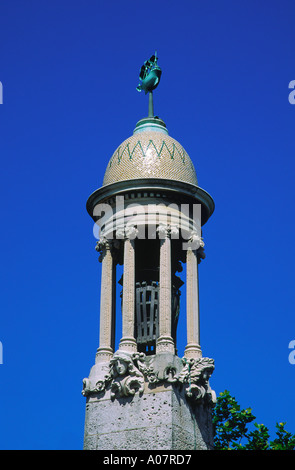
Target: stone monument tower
<point x="150" y="211"/>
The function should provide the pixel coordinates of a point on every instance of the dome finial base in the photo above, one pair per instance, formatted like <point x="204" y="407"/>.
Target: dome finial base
<point x="151" y="123"/>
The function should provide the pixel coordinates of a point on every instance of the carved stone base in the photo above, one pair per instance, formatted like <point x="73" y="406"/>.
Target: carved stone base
<point x="104" y="354"/>
<point x="128" y="344"/>
<point x="193" y="351"/>
<point x="149" y="402"/>
<point x="165" y="344"/>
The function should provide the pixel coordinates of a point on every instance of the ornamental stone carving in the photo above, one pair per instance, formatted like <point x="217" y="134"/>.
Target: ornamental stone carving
<point x="129" y="232"/>
<point x="104" y="244"/>
<point x="124" y="378"/>
<point x="120" y="233"/>
<point x="164" y="231"/>
<point x="195" y="378"/>
<point x="195" y="241"/>
<point x="101" y="244"/>
<point x="129" y="372"/>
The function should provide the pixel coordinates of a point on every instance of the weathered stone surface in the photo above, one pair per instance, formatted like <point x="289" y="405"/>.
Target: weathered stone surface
<point x="160" y="419"/>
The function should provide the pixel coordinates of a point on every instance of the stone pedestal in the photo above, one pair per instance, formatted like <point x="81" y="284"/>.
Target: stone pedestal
<point x="157" y="402"/>
<point x="161" y="419"/>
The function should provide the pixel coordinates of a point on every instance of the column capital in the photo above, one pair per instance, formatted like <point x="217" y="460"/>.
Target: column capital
<point x="129" y="232"/>
<point x="195" y="241"/>
<point x="103" y="244"/>
<point x="167" y="231"/>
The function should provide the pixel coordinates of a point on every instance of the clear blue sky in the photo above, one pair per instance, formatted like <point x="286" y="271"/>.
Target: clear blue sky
<point x="69" y="71"/>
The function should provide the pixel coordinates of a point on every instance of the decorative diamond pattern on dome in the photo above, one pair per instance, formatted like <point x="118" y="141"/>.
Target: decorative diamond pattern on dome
<point x="150" y="155"/>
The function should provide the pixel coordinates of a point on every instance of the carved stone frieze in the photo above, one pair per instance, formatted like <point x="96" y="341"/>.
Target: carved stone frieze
<point x="129" y="372"/>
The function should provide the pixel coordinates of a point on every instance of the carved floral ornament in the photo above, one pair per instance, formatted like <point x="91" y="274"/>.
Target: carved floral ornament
<point x="128" y="373"/>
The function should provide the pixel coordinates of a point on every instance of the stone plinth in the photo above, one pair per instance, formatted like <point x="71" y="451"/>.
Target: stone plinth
<point x="157" y="402"/>
<point x="161" y="419"/>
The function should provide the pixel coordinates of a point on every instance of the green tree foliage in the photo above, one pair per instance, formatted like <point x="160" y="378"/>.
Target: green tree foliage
<point x="230" y="425"/>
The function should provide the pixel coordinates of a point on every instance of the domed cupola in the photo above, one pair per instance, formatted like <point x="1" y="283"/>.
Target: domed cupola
<point x="150" y="153"/>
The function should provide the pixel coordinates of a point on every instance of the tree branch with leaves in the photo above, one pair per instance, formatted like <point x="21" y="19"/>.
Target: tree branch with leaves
<point x="230" y="425"/>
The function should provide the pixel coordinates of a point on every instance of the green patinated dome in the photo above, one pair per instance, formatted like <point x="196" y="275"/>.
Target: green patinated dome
<point x="150" y="153"/>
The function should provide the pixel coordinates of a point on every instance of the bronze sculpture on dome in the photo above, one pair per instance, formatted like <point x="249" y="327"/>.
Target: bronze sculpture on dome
<point x="149" y="79"/>
<point x="150" y="74"/>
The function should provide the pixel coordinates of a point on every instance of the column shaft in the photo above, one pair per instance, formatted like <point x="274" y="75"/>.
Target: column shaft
<point x="193" y="349"/>
<point x="128" y="342"/>
<point x="107" y="308"/>
<point x="165" y="342"/>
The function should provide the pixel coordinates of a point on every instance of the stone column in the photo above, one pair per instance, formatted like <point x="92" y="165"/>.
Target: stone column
<point x="193" y="349"/>
<point x="165" y="341"/>
<point x="107" y="308"/>
<point x="128" y="342"/>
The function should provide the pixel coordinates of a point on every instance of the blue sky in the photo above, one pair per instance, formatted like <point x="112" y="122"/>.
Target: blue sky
<point x="69" y="71"/>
